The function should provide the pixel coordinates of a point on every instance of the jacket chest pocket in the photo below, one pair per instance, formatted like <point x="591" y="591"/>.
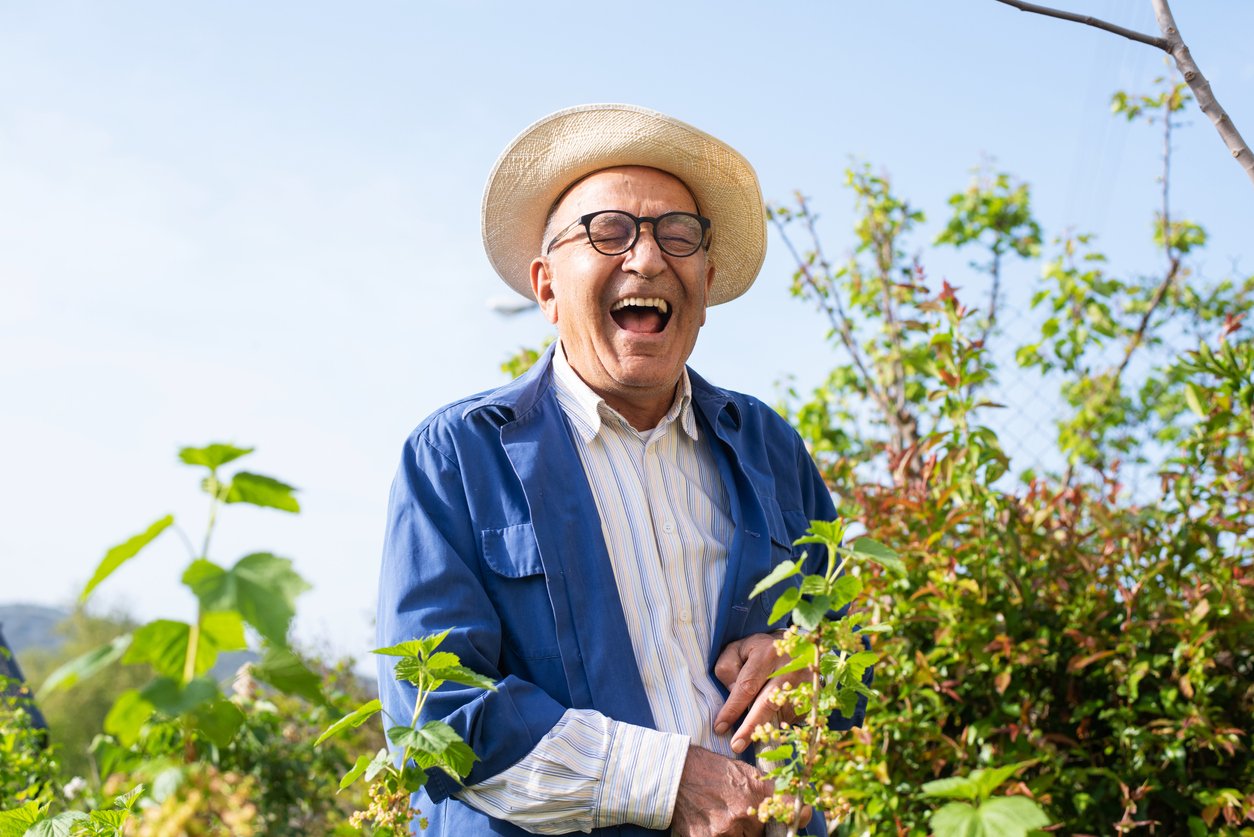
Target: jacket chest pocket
<point x="516" y="583"/>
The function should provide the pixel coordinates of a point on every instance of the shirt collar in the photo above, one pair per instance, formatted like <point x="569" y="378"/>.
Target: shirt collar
<point x="587" y="410"/>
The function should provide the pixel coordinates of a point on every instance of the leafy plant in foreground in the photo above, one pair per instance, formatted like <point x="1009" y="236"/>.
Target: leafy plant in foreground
<point x="978" y="814"/>
<point x="433" y="745"/>
<point x="833" y="652"/>
<point x="181" y="716"/>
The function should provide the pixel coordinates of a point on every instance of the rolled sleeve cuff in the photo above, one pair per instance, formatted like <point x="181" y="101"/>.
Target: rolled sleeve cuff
<point x="641" y="778"/>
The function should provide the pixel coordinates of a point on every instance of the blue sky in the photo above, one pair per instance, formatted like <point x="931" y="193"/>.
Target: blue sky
<point x="259" y="223"/>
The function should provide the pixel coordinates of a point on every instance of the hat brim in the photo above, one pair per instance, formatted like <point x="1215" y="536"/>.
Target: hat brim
<point x="565" y="146"/>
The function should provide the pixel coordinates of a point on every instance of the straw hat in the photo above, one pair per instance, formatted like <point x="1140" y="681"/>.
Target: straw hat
<point x="553" y="153"/>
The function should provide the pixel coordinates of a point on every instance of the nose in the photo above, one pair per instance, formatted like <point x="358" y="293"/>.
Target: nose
<point x="645" y="256"/>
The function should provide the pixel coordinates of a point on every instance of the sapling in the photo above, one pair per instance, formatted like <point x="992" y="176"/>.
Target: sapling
<point x="433" y="745"/>
<point x="824" y="642"/>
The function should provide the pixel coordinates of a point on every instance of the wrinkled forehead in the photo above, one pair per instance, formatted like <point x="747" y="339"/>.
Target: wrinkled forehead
<point x="641" y="172"/>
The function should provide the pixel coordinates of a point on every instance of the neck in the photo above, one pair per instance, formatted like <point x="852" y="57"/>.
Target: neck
<point x="644" y="413"/>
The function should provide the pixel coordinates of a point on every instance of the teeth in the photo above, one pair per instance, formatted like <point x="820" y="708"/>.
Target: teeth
<point x="642" y="302"/>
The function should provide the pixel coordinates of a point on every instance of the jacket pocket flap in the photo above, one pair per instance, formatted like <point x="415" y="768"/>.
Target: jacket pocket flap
<point x="512" y="551"/>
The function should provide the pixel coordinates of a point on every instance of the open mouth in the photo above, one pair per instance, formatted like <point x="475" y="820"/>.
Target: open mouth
<point x="641" y="315"/>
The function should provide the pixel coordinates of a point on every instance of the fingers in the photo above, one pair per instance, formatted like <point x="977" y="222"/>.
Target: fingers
<point x="761" y="712"/>
<point x="753" y="662"/>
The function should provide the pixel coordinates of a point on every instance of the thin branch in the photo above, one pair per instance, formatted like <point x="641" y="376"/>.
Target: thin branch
<point x="1089" y="20"/>
<point x="838" y="318"/>
<point x="1138" y="336"/>
<point x="1201" y="89"/>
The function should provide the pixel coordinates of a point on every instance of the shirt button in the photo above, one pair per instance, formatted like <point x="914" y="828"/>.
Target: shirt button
<point x="668" y="526"/>
<point x="685" y="615"/>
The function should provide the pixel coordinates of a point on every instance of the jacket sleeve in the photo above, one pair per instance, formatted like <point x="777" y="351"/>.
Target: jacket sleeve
<point x="430" y="582"/>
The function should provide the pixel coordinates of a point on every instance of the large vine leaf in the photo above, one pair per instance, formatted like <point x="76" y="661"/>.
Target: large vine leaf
<point x="212" y="456"/>
<point x="123" y="552"/>
<point x="259" y="490"/>
<point x="260" y="587"/>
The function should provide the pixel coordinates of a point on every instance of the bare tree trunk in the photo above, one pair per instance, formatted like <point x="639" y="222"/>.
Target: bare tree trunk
<point x="1173" y="44"/>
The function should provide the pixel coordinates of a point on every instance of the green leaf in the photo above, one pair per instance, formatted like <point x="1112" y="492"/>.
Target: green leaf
<point x="814" y="585"/>
<point x="952" y="787"/>
<point x="80" y="668"/>
<point x="436" y="744"/>
<point x="127" y="800"/>
<point x="957" y="819"/>
<point x="1011" y="816"/>
<point x="261" y="587"/>
<point x="783" y="570"/>
<point x="355" y="772"/>
<point x="127" y="717"/>
<point x="423" y="647"/>
<point x="170" y="697"/>
<point x="859" y="663"/>
<point x="808" y="613"/>
<point x="464" y="676"/>
<point x="1196" y="400"/>
<point x="225" y="629"/>
<point x="786" y="602"/>
<point x="288" y="673"/>
<point x="62" y="825"/>
<point x="124" y="552"/>
<point x="808" y="657"/>
<point x="352" y="720"/>
<point x="259" y="490"/>
<point x="823" y="531"/>
<point x="15" y="822"/>
<point x="213" y="456"/>
<point x="218" y="720"/>
<point x="781" y="753"/>
<point x="163" y="644"/>
<point x="844" y="590"/>
<point x="991" y="779"/>
<point x="880" y="554"/>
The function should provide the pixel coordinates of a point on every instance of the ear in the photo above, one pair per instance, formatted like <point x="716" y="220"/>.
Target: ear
<point x="709" y="283"/>
<point x="542" y="288"/>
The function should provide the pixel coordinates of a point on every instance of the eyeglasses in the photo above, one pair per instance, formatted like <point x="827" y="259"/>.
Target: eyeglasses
<point x="613" y="232"/>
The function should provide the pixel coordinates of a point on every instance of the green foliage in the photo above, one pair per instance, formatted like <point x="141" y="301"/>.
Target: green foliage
<point x="835" y="663"/>
<point x="1005" y="816"/>
<point x="199" y="760"/>
<point x="1100" y="634"/>
<point x="434" y="745"/>
<point x="524" y="359"/>
<point x="28" y="769"/>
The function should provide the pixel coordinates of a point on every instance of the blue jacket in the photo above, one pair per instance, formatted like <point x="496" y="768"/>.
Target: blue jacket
<point x="493" y="532"/>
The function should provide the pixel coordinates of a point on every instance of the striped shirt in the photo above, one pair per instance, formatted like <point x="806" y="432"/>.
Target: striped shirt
<point x="666" y="520"/>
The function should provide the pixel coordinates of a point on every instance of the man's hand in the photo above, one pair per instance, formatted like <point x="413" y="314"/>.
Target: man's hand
<point x="744" y="668"/>
<point x="715" y="795"/>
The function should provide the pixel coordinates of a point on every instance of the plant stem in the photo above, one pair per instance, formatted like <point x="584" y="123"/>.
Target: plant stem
<point x="213" y="514"/>
<point x="193" y="642"/>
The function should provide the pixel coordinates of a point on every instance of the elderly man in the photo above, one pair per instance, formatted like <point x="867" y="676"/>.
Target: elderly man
<point x="590" y="532"/>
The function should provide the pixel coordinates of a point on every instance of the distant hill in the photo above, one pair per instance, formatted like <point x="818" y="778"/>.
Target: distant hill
<point x="29" y="626"/>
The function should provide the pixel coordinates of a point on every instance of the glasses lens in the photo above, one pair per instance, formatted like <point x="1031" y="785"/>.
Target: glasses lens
<point x="612" y="233"/>
<point x="679" y="233"/>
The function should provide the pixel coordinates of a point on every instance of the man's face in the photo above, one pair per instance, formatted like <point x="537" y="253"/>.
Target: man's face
<point x="630" y="355"/>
